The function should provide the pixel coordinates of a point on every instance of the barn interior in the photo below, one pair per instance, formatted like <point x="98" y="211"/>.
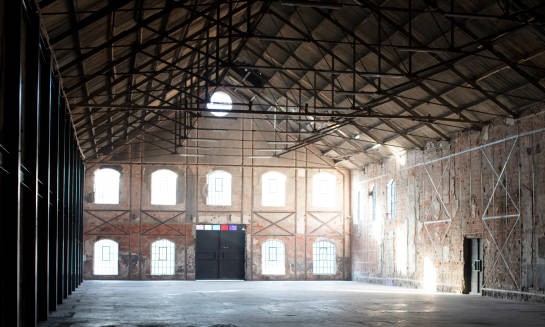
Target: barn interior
<point x="341" y="143"/>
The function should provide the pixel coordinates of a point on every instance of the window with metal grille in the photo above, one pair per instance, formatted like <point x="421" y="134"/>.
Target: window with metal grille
<point x="324" y="258"/>
<point x="162" y="258"/>
<point x="324" y="190"/>
<point x="391" y="198"/>
<point x="106" y="187"/>
<point x="219" y="188"/>
<point x="273" y="260"/>
<point x="273" y="189"/>
<point x="105" y="258"/>
<point x="163" y="187"/>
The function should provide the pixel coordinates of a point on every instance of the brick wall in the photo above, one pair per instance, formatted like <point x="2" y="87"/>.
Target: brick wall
<point x="488" y="184"/>
<point x="135" y="223"/>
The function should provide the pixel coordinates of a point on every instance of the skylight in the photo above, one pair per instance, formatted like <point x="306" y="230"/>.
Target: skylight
<point x="220" y="101"/>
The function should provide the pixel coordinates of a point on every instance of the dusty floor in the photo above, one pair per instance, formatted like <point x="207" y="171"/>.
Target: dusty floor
<point x="250" y="304"/>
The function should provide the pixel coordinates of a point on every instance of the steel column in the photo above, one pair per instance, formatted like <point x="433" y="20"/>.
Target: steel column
<point x="10" y="139"/>
<point x="29" y="165"/>
<point x="43" y="187"/>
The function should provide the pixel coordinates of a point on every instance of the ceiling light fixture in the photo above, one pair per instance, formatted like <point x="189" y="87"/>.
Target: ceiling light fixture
<point x="474" y="16"/>
<point x="281" y="142"/>
<point x="198" y="139"/>
<point x="313" y="4"/>
<point x="268" y="150"/>
<point x="259" y="157"/>
<point x="381" y="75"/>
<point x="424" y="50"/>
<point x="191" y="155"/>
<point x="344" y="92"/>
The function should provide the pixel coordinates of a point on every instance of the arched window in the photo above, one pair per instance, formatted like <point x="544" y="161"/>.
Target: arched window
<point x="324" y="258"/>
<point x="391" y="192"/>
<point x="106" y="186"/>
<point x="162" y="258"/>
<point x="372" y="201"/>
<point x="324" y="190"/>
<point x="163" y="187"/>
<point x="273" y="189"/>
<point x="273" y="258"/>
<point x="219" y="188"/>
<point x="105" y="258"/>
<point x="220" y="101"/>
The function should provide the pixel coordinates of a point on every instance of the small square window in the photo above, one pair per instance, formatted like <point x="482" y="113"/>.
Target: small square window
<point x="273" y="258"/>
<point x="162" y="258"/>
<point x="273" y="189"/>
<point x="106" y="251"/>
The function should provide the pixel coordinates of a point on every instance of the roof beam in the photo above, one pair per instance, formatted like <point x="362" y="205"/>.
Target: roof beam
<point x="81" y="69"/>
<point x="251" y="110"/>
<point x="401" y="104"/>
<point x="88" y="20"/>
<point x="488" y="46"/>
<point x="450" y="66"/>
<point x="117" y="38"/>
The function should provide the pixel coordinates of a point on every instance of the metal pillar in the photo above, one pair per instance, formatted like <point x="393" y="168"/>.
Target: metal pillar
<point x="10" y="138"/>
<point x="54" y="199"/>
<point x="41" y="176"/>
<point x="43" y="185"/>
<point x="29" y="167"/>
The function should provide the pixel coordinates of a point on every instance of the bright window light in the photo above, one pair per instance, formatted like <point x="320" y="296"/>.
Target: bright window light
<point x="273" y="260"/>
<point x="163" y="261"/>
<point x="391" y="192"/>
<point x="324" y="258"/>
<point x="430" y="276"/>
<point x="163" y="187"/>
<point x="324" y="190"/>
<point x="359" y="208"/>
<point x="220" y="101"/>
<point x="219" y="188"/>
<point x="105" y="258"/>
<point x="376" y="224"/>
<point x="401" y="250"/>
<point x="273" y="189"/>
<point x="401" y="158"/>
<point x="106" y="186"/>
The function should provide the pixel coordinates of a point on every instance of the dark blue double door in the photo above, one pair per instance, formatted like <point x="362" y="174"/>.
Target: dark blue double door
<point x="220" y="254"/>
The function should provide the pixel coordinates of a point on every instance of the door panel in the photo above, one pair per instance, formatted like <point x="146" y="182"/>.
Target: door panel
<point x="206" y="258"/>
<point x="231" y="261"/>
<point x="220" y="254"/>
<point x="477" y="266"/>
<point x="473" y="265"/>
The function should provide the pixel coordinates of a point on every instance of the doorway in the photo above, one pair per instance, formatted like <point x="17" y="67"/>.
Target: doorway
<point x="473" y="265"/>
<point x="220" y="251"/>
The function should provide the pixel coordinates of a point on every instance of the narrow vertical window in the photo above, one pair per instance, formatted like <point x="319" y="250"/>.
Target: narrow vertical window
<point x="106" y="187"/>
<point x="324" y="258"/>
<point x="391" y="193"/>
<point x="163" y="187"/>
<point x="273" y="189"/>
<point x="162" y="258"/>
<point x="219" y="188"/>
<point x="372" y="201"/>
<point x="324" y="190"/>
<point x="105" y="258"/>
<point x="359" y="208"/>
<point x="273" y="258"/>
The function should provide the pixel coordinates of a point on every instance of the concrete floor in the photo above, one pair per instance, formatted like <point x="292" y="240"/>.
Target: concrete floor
<point x="251" y="304"/>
